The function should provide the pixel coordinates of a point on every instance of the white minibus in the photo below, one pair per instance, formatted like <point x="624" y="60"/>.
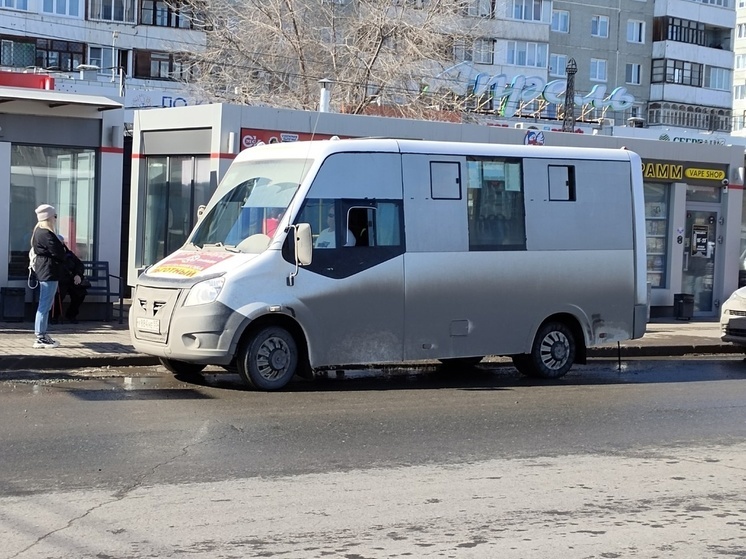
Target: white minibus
<point x="322" y="254"/>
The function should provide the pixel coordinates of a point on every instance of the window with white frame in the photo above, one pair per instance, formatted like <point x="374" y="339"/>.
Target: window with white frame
<point x="739" y="92"/>
<point x="633" y="73"/>
<point x="598" y="70"/>
<point x="523" y="53"/>
<point x="717" y="78"/>
<point x="110" y="60"/>
<point x="113" y="10"/>
<point x="561" y="21"/>
<point x="480" y="51"/>
<point x="740" y="61"/>
<point x="741" y="30"/>
<point x="15" y="4"/>
<point x="635" y="31"/>
<point x="480" y="8"/>
<point x="558" y="65"/>
<point x="62" y="7"/>
<point x="532" y="10"/>
<point x="600" y="26"/>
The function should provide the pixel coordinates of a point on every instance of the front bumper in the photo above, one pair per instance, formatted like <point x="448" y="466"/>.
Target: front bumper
<point x="161" y="326"/>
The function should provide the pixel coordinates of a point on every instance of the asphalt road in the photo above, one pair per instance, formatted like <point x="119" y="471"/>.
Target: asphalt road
<point x="646" y="461"/>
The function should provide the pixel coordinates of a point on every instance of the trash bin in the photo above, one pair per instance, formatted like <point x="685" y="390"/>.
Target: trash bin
<point x="683" y="306"/>
<point x="13" y="303"/>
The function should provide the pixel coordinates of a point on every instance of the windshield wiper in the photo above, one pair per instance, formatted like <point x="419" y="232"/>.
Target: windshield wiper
<point x="229" y="248"/>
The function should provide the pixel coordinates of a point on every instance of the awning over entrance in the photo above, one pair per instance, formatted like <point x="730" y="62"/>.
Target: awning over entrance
<point x="54" y="99"/>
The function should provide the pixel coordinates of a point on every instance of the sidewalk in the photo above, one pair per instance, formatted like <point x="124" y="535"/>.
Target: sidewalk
<point x="102" y="344"/>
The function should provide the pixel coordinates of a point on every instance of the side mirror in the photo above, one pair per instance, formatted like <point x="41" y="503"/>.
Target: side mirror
<point x="303" y="244"/>
<point x="303" y="248"/>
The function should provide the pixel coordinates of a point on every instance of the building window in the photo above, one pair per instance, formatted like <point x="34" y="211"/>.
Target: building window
<point x="15" y="4"/>
<point x="160" y="66"/>
<point x="739" y="92"/>
<point x="635" y="31"/>
<point x="175" y="187"/>
<point x="633" y="73"/>
<point x="63" y="177"/>
<point x="598" y="70"/>
<point x="113" y="10"/>
<point x="480" y="8"/>
<point x="741" y="30"/>
<point x="679" y="30"/>
<point x="16" y="53"/>
<point x="521" y="53"/>
<point x="164" y="13"/>
<point x="480" y="51"/>
<point x="561" y="21"/>
<point x="656" y="229"/>
<point x="109" y="60"/>
<point x="740" y="61"/>
<point x="62" y="7"/>
<point x="600" y="26"/>
<point x="64" y="56"/>
<point x="676" y="71"/>
<point x="532" y="10"/>
<point x="717" y="78"/>
<point x="558" y="65"/>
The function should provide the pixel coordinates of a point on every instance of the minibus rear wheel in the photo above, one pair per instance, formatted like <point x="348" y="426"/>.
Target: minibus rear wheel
<point x="552" y="353"/>
<point x="268" y="358"/>
<point x="182" y="368"/>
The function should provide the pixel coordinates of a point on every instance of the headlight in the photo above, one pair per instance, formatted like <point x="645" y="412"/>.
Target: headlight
<point x="204" y="292"/>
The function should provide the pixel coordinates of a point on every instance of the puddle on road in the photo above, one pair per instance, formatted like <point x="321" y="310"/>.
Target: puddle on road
<point x="122" y="383"/>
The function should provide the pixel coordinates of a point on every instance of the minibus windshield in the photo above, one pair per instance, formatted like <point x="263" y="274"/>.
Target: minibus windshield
<point x="254" y="195"/>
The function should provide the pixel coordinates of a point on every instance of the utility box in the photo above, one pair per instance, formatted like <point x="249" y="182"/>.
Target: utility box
<point x="683" y="306"/>
<point x="13" y="299"/>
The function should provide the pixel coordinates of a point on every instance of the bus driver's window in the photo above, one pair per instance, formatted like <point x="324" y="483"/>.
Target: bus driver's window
<point x="328" y="236"/>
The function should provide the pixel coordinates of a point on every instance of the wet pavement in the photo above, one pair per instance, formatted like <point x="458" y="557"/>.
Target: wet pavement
<point x="102" y="344"/>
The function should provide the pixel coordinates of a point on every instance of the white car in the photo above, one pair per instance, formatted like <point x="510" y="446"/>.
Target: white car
<point x="733" y="318"/>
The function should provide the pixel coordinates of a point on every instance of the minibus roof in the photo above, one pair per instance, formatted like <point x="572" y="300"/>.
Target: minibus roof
<point x="321" y="148"/>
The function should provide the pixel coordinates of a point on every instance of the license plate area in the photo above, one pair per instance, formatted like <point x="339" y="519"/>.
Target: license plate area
<point x="152" y="325"/>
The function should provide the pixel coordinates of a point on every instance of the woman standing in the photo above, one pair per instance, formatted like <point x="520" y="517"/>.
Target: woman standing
<point x="49" y="269"/>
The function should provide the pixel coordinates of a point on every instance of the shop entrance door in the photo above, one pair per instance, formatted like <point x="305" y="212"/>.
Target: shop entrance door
<point x="700" y="248"/>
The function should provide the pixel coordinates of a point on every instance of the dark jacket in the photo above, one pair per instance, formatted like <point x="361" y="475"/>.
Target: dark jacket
<point x="50" y="255"/>
<point x="73" y="267"/>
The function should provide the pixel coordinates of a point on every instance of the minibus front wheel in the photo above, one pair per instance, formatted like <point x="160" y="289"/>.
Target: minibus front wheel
<point x="552" y="353"/>
<point x="268" y="358"/>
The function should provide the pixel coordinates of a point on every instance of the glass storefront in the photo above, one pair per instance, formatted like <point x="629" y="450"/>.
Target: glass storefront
<point x="656" y="230"/>
<point x="176" y="186"/>
<point x="63" y="177"/>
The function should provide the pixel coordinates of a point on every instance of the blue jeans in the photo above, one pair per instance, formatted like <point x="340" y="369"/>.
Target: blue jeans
<point x="47" y="291"/>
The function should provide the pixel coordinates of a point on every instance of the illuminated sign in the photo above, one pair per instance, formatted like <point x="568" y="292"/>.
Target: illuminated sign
<point x="509" y="94"/>
<point x="707" y="174"/>
<point x="670" y="171"/>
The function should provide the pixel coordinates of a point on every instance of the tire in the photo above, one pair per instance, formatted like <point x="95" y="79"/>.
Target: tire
<point x="268" y="359"/>
<point x="461" y="362"/>
<point x="182" y="368"/>
<point x="552" y="353"/>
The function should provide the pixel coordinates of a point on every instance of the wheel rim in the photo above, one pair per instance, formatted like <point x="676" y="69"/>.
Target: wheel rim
<point x="555" y="350"/>
<point x="273" y="358"/>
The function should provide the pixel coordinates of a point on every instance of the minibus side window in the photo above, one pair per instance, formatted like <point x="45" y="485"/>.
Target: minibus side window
<point x="496" y="215"/>
<point x="351" y="235"/>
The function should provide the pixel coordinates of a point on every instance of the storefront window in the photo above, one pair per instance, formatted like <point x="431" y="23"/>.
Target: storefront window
<point x="656" y="228"/>
<point x="176" y="187"/>
<point x="63" y="177"/>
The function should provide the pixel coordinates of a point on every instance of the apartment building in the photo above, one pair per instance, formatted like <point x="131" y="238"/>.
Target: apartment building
<point x="129" y="50"/>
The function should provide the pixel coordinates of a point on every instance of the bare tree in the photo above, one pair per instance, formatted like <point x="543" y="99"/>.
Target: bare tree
<point x="379" y="54"/>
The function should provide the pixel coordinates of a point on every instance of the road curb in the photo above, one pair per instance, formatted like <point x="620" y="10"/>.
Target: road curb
<point x="49" y="361"/>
